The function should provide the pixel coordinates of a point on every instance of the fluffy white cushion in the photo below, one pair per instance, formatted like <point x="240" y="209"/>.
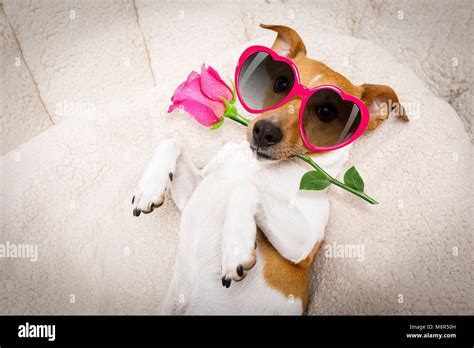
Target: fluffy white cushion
<point x="69" y="190"/>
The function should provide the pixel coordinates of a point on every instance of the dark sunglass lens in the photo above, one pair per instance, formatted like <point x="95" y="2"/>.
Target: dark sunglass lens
<point x="328" y="120"/>
<point x="264" y="82"/>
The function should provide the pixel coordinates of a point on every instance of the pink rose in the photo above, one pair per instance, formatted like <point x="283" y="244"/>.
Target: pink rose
<point x="200" y="96"/>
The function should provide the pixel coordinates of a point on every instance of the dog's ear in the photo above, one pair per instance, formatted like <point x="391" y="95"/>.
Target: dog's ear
<point x="288" y="43"/>
<point x="381" y="101"/>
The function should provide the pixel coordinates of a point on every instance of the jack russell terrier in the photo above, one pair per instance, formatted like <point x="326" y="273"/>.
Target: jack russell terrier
<point x="243" y="215"/>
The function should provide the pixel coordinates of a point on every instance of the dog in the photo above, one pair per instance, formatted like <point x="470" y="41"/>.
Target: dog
<point x="248" y="236"/>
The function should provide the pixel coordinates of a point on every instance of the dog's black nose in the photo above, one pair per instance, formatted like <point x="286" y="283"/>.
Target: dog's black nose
<point x="266" y="134"/>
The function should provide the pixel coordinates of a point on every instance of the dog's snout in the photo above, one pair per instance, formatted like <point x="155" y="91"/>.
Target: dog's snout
<point x="266" y="134"/>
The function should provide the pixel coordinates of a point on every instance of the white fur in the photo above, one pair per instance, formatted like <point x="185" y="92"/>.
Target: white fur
<point x="155" y="179"/>
<point x="221" y="206"/>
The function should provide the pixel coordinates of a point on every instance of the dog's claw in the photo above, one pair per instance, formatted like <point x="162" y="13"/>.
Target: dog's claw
<point x="226" y="281"/>
<point x="240" y="270"/>
<point x="171" y="176"/>
<point x="133" y="199"/>
<point x="136" y="212"/>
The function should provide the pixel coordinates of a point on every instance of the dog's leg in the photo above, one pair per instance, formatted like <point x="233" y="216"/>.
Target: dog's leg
<point x="239" y="234"/>
<point x="293" y="228"/>
<point x="185" y="178"/>
<point x="170" y="166"/>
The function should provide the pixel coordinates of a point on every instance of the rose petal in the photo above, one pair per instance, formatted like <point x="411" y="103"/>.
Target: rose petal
<point x="200" y="112"/>
<point x="212" y="85"/>
<point x="180" y="92"/>
<point x="172" y="107"/>
<point x="191" y="90"/>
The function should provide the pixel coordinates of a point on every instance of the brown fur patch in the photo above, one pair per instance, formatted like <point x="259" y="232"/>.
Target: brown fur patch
<point x="283" y="275"/>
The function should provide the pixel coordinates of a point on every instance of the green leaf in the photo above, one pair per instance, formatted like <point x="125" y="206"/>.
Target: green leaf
<point x="314" y="180"/>
<point x="218" y="124"/>
<point x="353" y="179"/>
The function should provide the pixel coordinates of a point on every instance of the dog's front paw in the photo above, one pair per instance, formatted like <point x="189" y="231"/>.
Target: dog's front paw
<point x="150" y="195"/>
<point x="236" y="263"/>
<point x="156" y="178"/>
<point x="146" y="201"/>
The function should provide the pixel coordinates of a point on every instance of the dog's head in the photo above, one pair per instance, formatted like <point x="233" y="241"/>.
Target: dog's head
<point x="275" y="134"/>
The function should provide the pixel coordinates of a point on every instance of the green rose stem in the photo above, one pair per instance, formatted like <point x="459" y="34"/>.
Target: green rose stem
<point x="336" y="182"/>
<point x="315" y="180"/>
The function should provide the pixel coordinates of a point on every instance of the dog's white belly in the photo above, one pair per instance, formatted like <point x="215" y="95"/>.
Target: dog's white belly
<point x="197" y="285"/>
<point x="198" y="263"/>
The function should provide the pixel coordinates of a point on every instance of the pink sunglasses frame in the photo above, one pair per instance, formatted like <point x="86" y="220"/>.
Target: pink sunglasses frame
<point x="304" y="93"/>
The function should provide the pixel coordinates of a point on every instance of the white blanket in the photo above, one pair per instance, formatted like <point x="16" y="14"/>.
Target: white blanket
<point x="68" y="190"/>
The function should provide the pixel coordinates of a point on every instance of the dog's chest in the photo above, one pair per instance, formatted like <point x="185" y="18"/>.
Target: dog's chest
<point x="233" y="167"/>
<point x="235" y="163"/>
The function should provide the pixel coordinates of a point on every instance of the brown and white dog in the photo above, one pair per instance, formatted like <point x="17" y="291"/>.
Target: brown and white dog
<point x="243" y="215"/>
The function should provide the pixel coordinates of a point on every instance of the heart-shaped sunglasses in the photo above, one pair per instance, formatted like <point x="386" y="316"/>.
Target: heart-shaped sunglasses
<point x="329" y="119"/>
